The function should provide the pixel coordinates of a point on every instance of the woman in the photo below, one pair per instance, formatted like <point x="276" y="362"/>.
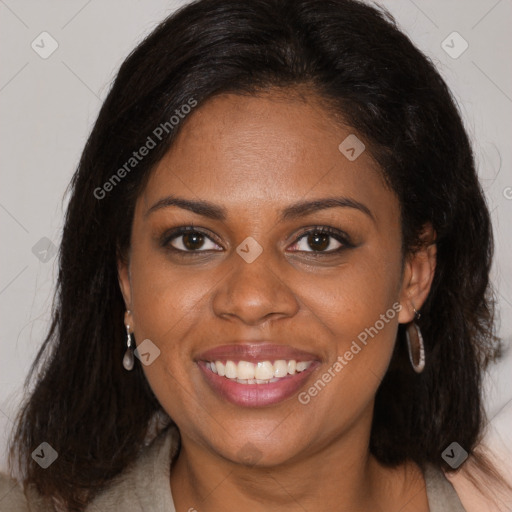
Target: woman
<point x="278" y="208"/>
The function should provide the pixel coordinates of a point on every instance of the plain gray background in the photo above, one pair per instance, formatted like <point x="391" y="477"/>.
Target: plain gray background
<point x="48" y="107"/>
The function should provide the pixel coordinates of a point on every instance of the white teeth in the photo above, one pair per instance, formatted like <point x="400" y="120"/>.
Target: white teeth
<point x="280" y="368"/>
<point x="212" y="367"/>
<point x="256" y="381"/>
<point x="245" y="370"/>
<point x="262" y="372"/>
<point x="221" y="370"/>
<point x="303" y="365"/>
<point x="231" y="370"/>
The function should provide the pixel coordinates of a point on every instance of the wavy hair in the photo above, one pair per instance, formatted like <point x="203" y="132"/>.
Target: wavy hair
<point x="354" y="58"/>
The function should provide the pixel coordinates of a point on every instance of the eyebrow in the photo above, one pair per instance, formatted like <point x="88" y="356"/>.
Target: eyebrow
<point x="294" y="211"/>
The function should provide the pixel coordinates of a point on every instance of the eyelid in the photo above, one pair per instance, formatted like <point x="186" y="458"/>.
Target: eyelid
<point x="172" y="234"/>
<point x="341" y="236"/>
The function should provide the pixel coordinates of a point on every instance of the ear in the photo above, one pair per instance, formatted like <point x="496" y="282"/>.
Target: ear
<point x="418" y="275"/>
<point x="123" y="274"/>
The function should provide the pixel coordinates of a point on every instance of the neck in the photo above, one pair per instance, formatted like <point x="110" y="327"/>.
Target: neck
<point x="339" y="475"/>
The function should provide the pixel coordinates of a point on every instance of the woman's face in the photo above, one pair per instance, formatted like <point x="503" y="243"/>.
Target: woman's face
<point x="255" y="282"/>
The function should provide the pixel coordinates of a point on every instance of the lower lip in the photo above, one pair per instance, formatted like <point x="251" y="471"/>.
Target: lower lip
<point x="256" y="395"/>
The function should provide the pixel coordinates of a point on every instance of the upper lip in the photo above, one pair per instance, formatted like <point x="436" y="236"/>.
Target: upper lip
<point x="254" y="352"/>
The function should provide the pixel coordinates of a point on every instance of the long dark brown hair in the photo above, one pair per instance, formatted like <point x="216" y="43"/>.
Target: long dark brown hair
<point x="94" y="413"/>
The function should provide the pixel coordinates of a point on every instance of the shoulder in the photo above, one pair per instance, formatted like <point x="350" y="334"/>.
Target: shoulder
<point x="145" y="485"/>
<point x="441" y="494"/>
<point x="14" y="498"/>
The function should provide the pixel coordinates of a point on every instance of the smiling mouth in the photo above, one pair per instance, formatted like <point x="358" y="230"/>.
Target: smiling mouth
<point x="252" y="373"/>
<point x="259" y="385"/>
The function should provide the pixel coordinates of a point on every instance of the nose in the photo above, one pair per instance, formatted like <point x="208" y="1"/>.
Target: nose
<point x="254" y="293"/>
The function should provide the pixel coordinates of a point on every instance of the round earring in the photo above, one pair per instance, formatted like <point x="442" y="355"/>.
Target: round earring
<point x="415" y="344"/>
<point x="128" y="359"/>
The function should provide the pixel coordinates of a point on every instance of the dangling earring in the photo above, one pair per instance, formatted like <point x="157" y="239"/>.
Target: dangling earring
<point x="128" y="355"/>
<point x="415" y="344"/>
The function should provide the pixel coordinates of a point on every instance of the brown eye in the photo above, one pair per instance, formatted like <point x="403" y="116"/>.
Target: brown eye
<point x="322" y="240"/>
<point x="193" y="241"/>
<point x="318" y="241"/>
<point x="188" y="239"/>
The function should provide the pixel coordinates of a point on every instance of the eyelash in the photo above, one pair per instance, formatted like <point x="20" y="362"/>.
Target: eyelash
<point x="340" y="236"/>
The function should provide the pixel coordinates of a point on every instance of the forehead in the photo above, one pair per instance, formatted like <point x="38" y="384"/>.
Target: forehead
<point x="239" y="150"/>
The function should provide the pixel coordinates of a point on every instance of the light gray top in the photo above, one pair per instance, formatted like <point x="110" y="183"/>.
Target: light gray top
<point x="144" y="486"/>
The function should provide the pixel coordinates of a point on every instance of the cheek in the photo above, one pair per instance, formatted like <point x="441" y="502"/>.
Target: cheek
<point x="168" y="303"/>
<point x="166" y="296"/>
<point x="358" y="309"/>
<point x="353" y="296"/>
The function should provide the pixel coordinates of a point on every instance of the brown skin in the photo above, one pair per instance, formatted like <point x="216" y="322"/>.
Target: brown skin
<point x="254" y="156"/>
